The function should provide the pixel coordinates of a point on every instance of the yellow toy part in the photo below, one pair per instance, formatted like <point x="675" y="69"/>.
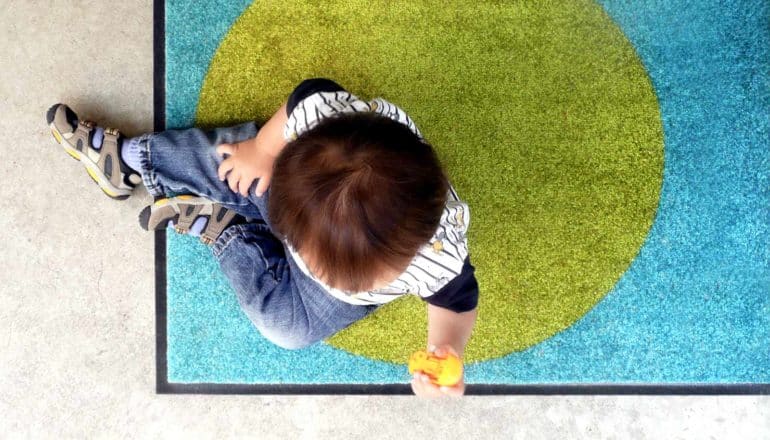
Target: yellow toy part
<point x="442" y="371"/>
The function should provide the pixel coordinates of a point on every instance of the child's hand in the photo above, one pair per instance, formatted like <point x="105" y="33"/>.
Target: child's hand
<point x="422" y="386"/>
<point x="247" y="161"/>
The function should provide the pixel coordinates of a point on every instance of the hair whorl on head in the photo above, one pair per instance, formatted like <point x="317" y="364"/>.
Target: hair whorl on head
<point x="358" y="193"/>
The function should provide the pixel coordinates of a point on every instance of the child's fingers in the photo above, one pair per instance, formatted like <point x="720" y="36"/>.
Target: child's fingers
<point x="415" y="388"/>
<point x="224" y="168"/>
<point x="418" y="386"/>
<point x="423" y="387"/>
<point x="233" y="180"/>
<point x="444" y="350"/>
<point x="262" y="185"/>
<point x="223" y="149"/>
<point x="451" y="391"/>
<point x="244" y="184"/>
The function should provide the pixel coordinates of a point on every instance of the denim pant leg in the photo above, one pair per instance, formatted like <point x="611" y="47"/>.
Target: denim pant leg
<point x="286" y="306"/>
<point x="186" y="162"/>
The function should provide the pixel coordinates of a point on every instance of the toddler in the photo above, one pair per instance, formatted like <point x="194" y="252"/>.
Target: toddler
<point x="332" y="208"/>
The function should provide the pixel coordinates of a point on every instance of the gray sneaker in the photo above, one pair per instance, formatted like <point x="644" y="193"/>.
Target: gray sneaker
<point x="183" y="211"/>
<point x="104" y="165"/>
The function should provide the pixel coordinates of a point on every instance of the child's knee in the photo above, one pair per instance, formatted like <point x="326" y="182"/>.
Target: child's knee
<point x="287" y="339"/>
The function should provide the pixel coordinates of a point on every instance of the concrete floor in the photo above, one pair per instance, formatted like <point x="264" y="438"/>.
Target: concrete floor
<point x="77" y="335"/>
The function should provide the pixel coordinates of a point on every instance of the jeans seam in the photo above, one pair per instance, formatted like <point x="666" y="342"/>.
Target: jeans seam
<point x="149" y="177"/>
<point x="231" y="234"/>
<point x="225" y="239"/>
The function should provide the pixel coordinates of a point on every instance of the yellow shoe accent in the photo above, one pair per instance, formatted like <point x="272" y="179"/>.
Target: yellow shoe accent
<point x="185" y="197"/>
<point x="56" y="135"/>
<point x="93" y="176"/>
<point x="74" y="155"/>
<point x="161" y="202"/>
<point x="108" y="192"/>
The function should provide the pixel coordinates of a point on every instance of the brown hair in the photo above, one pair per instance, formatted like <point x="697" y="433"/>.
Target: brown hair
<point x="359" y="192"/>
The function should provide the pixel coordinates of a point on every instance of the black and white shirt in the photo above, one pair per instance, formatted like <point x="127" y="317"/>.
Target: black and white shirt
<point x="441" y="272"/>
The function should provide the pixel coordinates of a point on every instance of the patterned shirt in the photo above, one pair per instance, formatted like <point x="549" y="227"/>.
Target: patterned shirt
<point x="440" y="273"/>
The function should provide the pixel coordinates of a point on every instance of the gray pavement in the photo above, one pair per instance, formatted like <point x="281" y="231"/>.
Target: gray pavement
<point x="77" y="335"/>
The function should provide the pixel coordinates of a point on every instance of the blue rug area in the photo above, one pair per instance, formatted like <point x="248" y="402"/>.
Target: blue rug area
<point x="694" y="306"/>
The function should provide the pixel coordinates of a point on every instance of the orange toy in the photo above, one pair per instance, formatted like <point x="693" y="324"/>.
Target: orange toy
<point x="442" y="371"/>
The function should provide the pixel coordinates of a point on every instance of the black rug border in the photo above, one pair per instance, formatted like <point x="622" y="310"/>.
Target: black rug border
<point x="163" y="386"/>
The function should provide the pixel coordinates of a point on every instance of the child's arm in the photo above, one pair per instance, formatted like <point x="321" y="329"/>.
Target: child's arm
<point x="254" y="158"/>
<point x="448" y="332"/>
<point x="446" y="327"/>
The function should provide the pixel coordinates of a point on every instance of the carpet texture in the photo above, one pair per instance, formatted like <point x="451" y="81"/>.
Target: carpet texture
<point x="615" y="159"/>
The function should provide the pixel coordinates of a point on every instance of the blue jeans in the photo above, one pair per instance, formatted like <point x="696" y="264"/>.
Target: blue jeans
<point x="285" y="305"/>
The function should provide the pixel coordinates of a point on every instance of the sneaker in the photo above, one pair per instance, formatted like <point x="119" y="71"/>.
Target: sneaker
<point x="184" y="212"/>
<point x="104" y="165"/>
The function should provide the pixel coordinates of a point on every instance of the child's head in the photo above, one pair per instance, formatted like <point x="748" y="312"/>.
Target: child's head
<point x="357" y="196"/>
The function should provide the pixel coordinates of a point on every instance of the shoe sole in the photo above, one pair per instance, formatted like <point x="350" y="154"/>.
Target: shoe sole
<point x="93" y="171"/>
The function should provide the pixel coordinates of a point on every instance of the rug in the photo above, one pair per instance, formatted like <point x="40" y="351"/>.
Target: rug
<point x="615" y="159"/>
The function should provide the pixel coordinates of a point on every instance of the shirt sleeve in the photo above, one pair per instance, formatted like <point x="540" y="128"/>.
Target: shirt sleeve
<point x="309" y="87"/>
<point x="461" y="294"/>
<point x="318" y="98"/>
<point x="314" y="100"/>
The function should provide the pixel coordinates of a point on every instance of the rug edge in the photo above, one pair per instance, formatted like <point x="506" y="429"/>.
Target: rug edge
<point x="163" y="386"/>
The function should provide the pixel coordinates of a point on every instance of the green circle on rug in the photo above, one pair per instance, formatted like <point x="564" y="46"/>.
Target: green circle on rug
<point x="542" y="114"/>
